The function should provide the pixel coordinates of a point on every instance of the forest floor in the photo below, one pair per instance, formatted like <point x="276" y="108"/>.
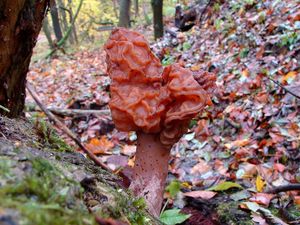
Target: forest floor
<point x="238" y="151"/>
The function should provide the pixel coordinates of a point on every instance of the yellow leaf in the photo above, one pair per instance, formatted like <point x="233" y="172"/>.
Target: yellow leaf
<point x="289" y="77"/>
<point x="195" y="68"/>
<point x="186" y="185"/>
<point x="245" y="73"/>
<point x="260" y="184"/>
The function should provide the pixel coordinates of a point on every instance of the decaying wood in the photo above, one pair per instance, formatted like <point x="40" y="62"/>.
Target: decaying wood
<point x="186" y="20"/>
<point x="63" y="127"/>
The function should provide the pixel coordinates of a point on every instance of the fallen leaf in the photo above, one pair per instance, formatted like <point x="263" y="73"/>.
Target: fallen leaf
<point x="225" y="186"/>
<point x="279" y="167"/>
<point x="99" y="146"/>
<point x="262" y="198"/>
<point x="289" y="77"/>
<point x="237" y="143"/>
<point x="260" y="184"/>
<point x="253" y="206"/>
<point x="173" y="216"/>
<point x="244" y="194"/>
<point x="200" y="194"/>
<point x="201" y="167"/>
<point x="297" y="200"/>
<point x="129" y="150"/>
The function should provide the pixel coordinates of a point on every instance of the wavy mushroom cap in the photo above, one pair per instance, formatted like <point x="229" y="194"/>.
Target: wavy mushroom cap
<point x="144" y="96"/>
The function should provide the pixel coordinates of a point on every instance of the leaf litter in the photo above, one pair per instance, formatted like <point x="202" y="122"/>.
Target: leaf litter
<point x="249" y="139"/>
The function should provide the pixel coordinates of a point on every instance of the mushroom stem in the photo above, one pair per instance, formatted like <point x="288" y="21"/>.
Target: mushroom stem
<point x="150" y="170"/>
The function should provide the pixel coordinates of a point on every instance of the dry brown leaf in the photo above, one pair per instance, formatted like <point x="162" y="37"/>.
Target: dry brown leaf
<point x="201" y="194"/>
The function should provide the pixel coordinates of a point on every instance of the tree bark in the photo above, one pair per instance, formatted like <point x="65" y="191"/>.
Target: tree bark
<point x="20" y="23"/>
<point x="157" y="7"/>
<point x="55" y="22"/>
<point x="124" y="17"/>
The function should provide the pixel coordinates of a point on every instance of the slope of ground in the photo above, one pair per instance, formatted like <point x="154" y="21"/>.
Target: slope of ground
<point x="43" y="182"/>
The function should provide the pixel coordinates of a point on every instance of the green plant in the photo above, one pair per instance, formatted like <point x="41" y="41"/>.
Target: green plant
<point x="168" y="60"/>
<point x="173" y="188"/>
<point x="289" y="39"/>
<point x="173" y="216"/>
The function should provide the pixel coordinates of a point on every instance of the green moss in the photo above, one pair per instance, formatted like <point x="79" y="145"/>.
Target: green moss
<point x="45" y="196"/>
<point x="229" y="213"/>
<point x="49" y="138"/>
<point x="128" y="208"/>
<point x="294" y="212"/>
<point x="5" y="165"/>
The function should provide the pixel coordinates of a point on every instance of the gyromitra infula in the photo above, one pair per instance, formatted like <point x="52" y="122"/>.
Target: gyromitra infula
<point x="156" y="102"/>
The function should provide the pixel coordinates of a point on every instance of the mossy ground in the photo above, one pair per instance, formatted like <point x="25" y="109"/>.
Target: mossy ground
<point x="229" y="213"/>
<point x="43" y="182"/>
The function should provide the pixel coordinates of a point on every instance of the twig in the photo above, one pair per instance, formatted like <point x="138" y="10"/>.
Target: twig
<point x="232" y="123"/>
<point x="63" y="127"/>
<point x="283" y="188"/>
<point x="72" y="112"/>
<point x="3" y="135"/>
<point x="4" y="108"/>
<point x="284" y="88"/>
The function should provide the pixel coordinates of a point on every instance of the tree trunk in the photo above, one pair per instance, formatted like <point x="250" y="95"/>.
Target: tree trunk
<point x="124" y="17"/>
<point x="47" y="32"/>
<point x="55" y="21"/>
<point x="157" y="7"/>
<point x="62" y="10"/>
<point x="74" y="32"/>
<point x="115" y="7"/>
<point x="136" y="8"/>
<point x="21" y="22"/>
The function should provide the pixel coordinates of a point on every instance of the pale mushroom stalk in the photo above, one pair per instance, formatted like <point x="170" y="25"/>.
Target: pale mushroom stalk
<point x="150" y="170"/>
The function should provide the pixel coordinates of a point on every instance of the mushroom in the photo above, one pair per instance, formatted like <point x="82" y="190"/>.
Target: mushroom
<point x="156" y="102"/>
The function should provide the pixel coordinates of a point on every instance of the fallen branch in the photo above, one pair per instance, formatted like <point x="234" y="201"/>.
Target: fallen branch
<point x="283" y="188"/>
<point x="284" y="88"/>
<point x="78" y="112"/>
<point x="63" y="127"/>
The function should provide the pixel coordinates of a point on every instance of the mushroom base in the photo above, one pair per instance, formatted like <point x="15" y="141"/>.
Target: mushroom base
<point x="150" y="171"/>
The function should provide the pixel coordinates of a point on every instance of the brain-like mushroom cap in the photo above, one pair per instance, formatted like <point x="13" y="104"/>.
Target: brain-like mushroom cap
<point x="144" y="96"/>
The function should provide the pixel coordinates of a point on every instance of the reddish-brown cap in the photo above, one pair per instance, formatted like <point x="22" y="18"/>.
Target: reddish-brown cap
<point x="144" y="96"/>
